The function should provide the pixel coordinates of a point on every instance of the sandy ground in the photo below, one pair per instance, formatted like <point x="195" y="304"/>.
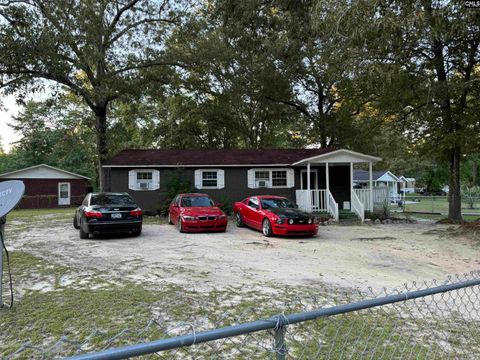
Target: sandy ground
<point x="358" y="256"/>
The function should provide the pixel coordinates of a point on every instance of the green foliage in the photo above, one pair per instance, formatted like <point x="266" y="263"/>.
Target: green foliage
<point x="177" y="183"/>
<point x="471" y="195"/>
<point x="227" y="205"/>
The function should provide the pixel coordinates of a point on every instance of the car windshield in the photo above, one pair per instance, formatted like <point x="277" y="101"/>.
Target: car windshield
<point x="110" y="199"/>
<point x="273" y="203"/>
<point x="197" y="201"/>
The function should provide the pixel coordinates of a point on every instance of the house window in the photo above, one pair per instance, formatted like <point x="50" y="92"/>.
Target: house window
<point x="209" y="179"/>
<point x="271" y="178"/>
<point x="279" y="178"/>
<point x="144" y="180"/>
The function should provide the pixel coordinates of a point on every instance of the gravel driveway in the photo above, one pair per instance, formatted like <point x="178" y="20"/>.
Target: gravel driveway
<point x="339" y="256"/>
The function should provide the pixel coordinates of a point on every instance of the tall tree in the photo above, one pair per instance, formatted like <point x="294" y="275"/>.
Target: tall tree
<point x="425" y="56"/>
<point x="227" y="94"/>
<point x="99" y="50"/>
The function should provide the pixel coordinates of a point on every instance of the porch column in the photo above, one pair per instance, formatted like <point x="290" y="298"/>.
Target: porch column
<point x="351" y="176"/>
<point x="370" y="184"/>
<point x="351" y="184"/>
<point x="327" y="177"/>
<point x="309" y="192"/>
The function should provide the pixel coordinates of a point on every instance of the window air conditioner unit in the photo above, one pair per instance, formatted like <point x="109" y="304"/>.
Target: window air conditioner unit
<point x="262" y="183"/>
<point x="144" y="185"/>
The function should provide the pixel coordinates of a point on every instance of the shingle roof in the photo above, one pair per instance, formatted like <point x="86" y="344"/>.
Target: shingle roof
<point x="213" y="157"/>
<point x="362" y="175"/>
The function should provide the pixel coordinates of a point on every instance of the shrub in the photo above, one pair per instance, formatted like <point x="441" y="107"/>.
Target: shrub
<point x="177" y="183"/>
<point x="227" y="205"/>
<point x="471" y="195"/>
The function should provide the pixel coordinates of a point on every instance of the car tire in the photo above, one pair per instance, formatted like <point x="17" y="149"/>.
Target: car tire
<point x="179" y="225"/>
<point x="83" y="234"/>
<point x="75" y="222"/>
<point x="239" y="220"/>
<point x="267" y="228"/>
<point x="170" y="222"/>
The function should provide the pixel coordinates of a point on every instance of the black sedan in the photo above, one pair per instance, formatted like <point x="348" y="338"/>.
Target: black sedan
<point x="104" y="213"/>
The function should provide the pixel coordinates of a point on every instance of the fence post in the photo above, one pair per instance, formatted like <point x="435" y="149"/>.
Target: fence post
<point x="280" y="347"/>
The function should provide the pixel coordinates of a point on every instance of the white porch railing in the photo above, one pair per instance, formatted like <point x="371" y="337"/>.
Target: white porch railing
<point x="320" y="201"/>
<point x="364" y="197"/>
<point x="332" y="206"/>
<point x="357" y="206"/>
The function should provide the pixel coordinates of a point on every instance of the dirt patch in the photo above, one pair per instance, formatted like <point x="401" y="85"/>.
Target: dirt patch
<point x="357" y="256"/>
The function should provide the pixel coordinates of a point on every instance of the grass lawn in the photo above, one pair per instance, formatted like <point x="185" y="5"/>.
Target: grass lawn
<point x="432" y="204"/>
<point x="24" y="214"/>
<point x="61" y="308"/>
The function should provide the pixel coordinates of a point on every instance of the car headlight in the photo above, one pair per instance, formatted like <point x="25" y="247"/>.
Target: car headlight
<point x="279" y="220"/>
<point x="310" y="220"/>
<point x="188" y="218"/>
<point x="290" y="221"/>
<point x="222" y="217"/>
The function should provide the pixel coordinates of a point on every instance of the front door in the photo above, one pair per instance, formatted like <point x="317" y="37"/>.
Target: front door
<point x="63" y="193"/>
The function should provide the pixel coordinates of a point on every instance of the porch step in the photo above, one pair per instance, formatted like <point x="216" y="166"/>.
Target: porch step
<point x="347" y="215"/>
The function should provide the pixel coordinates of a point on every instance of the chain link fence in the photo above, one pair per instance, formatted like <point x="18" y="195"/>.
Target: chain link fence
<point x="47" y="201"/>
<point x="434" y="320"/>
<point x="437" y="205"/>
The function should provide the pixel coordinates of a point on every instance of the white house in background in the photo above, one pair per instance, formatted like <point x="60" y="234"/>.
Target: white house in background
<point x="406" y="185"/>
<point x="382" y="179"/>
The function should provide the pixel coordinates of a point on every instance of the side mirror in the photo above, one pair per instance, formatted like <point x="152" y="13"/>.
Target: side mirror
<point x="174" y="205"/>
<point x="218" y="204"/>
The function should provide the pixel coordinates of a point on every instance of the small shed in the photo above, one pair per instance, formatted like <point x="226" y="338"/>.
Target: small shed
<point x="49" y="187"/>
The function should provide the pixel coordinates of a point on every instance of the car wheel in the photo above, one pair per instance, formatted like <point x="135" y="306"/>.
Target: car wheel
<point x="169" y="219"/>
<point x="179" y="225"/>
<point x="75" y="222"/>
<point x="83" y="234"/>
<point x="267" y="228"/>
<point x="239" y="219"/>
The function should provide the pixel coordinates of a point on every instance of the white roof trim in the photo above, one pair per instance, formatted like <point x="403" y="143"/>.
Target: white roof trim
<point x="44" y="165"/>
<point x="389" y="173"/>
<point x="366" y="158"/>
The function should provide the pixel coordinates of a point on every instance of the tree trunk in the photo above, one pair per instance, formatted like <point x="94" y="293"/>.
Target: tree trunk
<point x="102" y="150"/>
<point x="454" y="198"/>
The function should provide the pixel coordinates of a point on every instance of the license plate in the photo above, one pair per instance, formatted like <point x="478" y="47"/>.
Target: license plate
<point x="116" y="216"/>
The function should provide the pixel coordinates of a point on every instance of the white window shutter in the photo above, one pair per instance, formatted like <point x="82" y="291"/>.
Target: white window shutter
<point x="220" y="179"/>
<point x="156" y="179"/>
<point x="132" y="183"/>
<point x="290" y="178"/>
<point x="198" y="179"/>
<point x="251" y="179"/>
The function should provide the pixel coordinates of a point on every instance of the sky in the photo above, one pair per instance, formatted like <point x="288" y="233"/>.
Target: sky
<point x="8" y="136"/>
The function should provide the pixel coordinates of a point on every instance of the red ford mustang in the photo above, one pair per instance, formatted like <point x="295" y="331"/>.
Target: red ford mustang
<point x="195" y="213"/>
<point x="274" y="215"/>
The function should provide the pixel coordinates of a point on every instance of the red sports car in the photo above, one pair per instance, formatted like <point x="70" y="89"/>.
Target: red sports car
<point x="274" y="215"/>
<point x="196" y="213"/>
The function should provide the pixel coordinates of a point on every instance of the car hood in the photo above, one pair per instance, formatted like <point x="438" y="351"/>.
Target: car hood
<point x="203" y="210"/>
<point x="291" y="213"/>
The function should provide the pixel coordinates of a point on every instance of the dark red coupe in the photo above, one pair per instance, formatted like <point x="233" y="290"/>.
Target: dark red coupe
<point x="196" y="213"/>
<point x="274" y="215"/>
